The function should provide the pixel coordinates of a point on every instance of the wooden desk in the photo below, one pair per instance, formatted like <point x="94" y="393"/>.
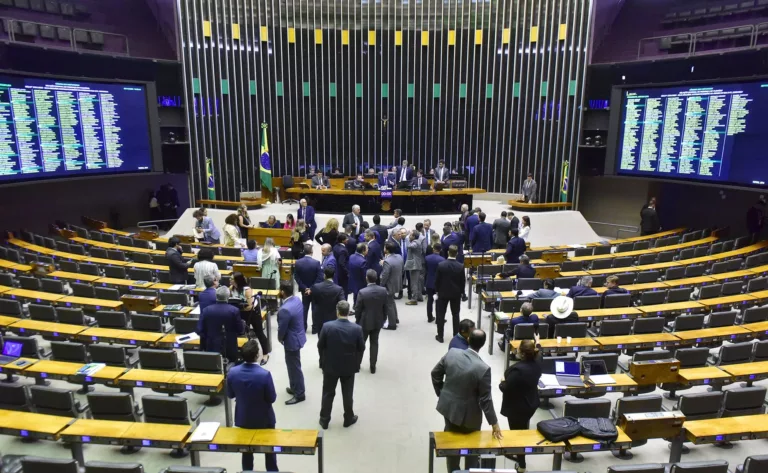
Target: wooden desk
<point x="759" y="329"/>
<point x="52" y="329"/>
<point x="121" y="336"/>
<point x="648" y="340"/>
<point x="733" y="275"/>
<point x="32" y="425"/>
<point x="74" y="277"/>
<point x="622" y="383"/>
<point x="92" y="304"/>
<point x="707" y="335"/>
<point x="118" y="283"/>
<point x="164" y="287"/>
<point x="653" y="236"/>
<point x="609" y="314"/>
<point x="687" y="307"/>
<point x="33" y="296"/>
<point x="15" y="267"/>
<point x="724" y="429"/>
<point x="169" y="341"/>
<point x="141" y="434"/>
<point x="517" y="205"/>
<point x="706" y="375"/>
<point x="115" y="232"/>
<point x="49" y="369"/>
<point x="281" y="237"/>
<point x="15" y="368"/>
<point x="5" y="321"/>
<point x="4" y="289"/>
<point x="183" y="311"/>
<point x="550" y="345"/>
<point x="688" y="282"/>
<point x="583" y="444"/>
<point x="760" y="296"/>
<point x="750" y="372"/>
<point x="726" y="302"/>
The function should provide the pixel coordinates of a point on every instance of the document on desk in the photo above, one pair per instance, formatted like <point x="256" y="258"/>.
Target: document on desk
<point x="576" y="245"/>
<point x="549" y="381"/>
<point x="525" y="293"/>
<point x="602" y="379"/>
<point x="196" y="310"/>
<point x="187" y="337"/>
<point x="90" y="368"/>
<point x="205" y="432"/>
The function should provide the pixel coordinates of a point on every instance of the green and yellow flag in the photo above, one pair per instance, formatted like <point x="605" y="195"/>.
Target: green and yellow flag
<point x="209" y="179"/>
<point x="564" y="186"/>
<point x="265" y="162"/>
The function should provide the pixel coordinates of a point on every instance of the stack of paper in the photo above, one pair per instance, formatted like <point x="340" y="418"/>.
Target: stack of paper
<point x="601" y="379"/>
<point x="548" y="380"/>
<point x="205" y="432"/>
<point x="172" y="307"/>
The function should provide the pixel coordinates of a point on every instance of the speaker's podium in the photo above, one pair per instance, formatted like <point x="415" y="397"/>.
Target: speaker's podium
<point x="281" y="237"/>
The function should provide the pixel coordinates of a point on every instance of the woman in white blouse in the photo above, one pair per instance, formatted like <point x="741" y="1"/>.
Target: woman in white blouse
<point x="525" y="228"/>
<point x="269" y="260"/>
<point x="205" y="267"/>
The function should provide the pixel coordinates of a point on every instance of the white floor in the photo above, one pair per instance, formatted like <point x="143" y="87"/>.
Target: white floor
<point x="396" y="408"/>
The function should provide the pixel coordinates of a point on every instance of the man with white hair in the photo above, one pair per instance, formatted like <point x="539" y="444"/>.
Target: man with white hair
<point x="355" y="219"/>
<point x="307" y="213"/>
<point x="219" y="325"/>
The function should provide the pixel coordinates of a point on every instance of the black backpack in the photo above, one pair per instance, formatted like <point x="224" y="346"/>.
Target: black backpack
<point x="598" y="428"/>
<point x="557" y="430"/>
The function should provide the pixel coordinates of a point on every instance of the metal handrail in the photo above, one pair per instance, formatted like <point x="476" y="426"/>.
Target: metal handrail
<point x="620" y="227"/>
<point x="72" y="43"/>
<point x="152" y="223"/>
<point x="640" y="43"/>
<point x="693" y="39"/>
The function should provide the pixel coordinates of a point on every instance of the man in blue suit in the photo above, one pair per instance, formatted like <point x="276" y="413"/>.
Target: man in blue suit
<point x="217" y="318"/>
<point x="515" y="247"/>
<point x="452" y="238"/>
<point x="341" y="254"/>
<point x="481" y="237"/>
<point x="329" y="261"/>
<point x="404" y="173"/>
<point x="433" y="259"/>
<point x="307" y="272"/>
<point x="374" y="255"/>
<point x="472" y="221"/>
<point x="307" y="213"/>
<point x="208" y="296"/>
<point x="253" y="390"/>
<point x="292" y="335"/>
<point x="387" y="179"/>
<point x="357" y="268"/>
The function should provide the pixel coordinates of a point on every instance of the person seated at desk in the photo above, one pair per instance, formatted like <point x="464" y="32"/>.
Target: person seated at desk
<point x="337" y="172"/>
<point x="271" y="223"/>
<point x="208" y="296"/>
<point x="526" y="317"/>
<point x="546" y="292"/>
<point x="612" y="287"/>
<point x="461" y="339"/>
<point x="387" y="180"/>
<point x="419" y="182"/>
<point x="231" y="233"/>
<point x="359" y="183"/>
<point x="320" y="182"/>
<point x="219" y="325"/>
<point x="441" y="172"/>
<point x="371" y="173"/>
<point x="205" y="229"/>
<point x="583" y="288"/>
<point x="523" y="270"/>
<point x="290" y="222"/>
<point x="251" y="255"/>
<point x="311" y="172"/>
<point x="562" y="312"/>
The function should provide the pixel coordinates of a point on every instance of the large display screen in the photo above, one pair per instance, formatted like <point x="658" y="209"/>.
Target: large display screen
<point x="62" y="128"/>
<point x="716" y="132"/>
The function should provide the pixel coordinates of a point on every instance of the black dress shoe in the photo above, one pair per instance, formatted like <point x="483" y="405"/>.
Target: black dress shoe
<point x="439" y="339"/>
<point x="430" y="320"/>
<point x="463" y="298"/>
<point x="373" y="369"/>
<point x="324" y="425"/>
<point x="289" y="391"/>
<point x="347" y="423"/>
<point x="295" y="400"/>
<point x="391" y="327"/>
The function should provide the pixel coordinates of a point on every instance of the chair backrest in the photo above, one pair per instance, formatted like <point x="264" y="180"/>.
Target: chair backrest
<point x="97" y="252"/>
<point x="641" y="245"/>
<point x="500" y="285"/>
<point x="183" y="325"/>
<point x="140" y="274"/>
<point x="617" y="300"/>
<point x="587" y="408"/>
<point x="648" y="325"/>
<point x="754" y="260"/>
<point x="166" y="409"/>
<point x="653" y="297"/>
<point x="164" y="276"/>
<point x="142" y="258"/>
<point x="571" y="266"/>
<point x="695" y="270"/>
<point x="650" y="355"/>
<point x="108" y="467"/>
<point x="602" y="250"/>
<point x="760" y="352"/>
<point x="77" y="249"/>
<point x="111" y="318"/>
<point x="735" y="264"/>
<point x="744" y="401"/>
<point x="511" y="305"/>
<point x="624" y="247"/>
<point x="640" y="468"/>
<point x="700" y="405"/>
<point x="155" y="359"/>
<point x="647" y="259"/>
<point x="732" y="353"/>
<point x="10" y="307"/>
<point x="144" y="292"/>
<point x="611" y="360"/>
<point x="586" y="302"/>
<point x="532" y="284"/>
<point x="204" y="362"/>
<point x="731" y="288"/>
<point x="680" y="294"/>
<point x="575" y="330"/>
<point x="483" y="271"/>
<point x="701" y="251"/>
<point x="583" y="251"/>
<point x="82" y="290"/>
<point x="13" y="397"/>
<point x="665" y="256"/>
<point x="755" y="464"/>
<point x="626" y="279"/>
<point x="147" y="322"/>
<point x="107" y="293"/>
<point x="755" y="314"/>
<point x="222" y="265"/>
<point x="30" y="464"/>
<point x="720" y="267"/>
<point x="604" y="263"/>
<point x="30" y="283"/>
<point x="722" y="319"/>
<point x="757" y="284"/>
<point x="70" y="315"/>
<point x="124" y="241"/>
<point x="742" y="241"/>
<point x="686" y="253"/>
<point x="525" y="331"/>
<point x="89" y="269"/>
<point x="108" y="238"/>
<point x="541" y="304"/>
<point x="548" y="362"/>
<point x="637" y="404"/>
<point x="116" y="255"/>
<point x="160" y="260"/>
<point x="615" y="327"/>
<point x="117" y="272"/>
<point x="42" y="312"/>
<point x="689" y="322"/>
<point x="170" y="298"/>
<point x="52" y="285"/>
<point x="29" y="346"/>
<point x="69" y="351"/>
<point x="566" y="281"/>
<point x="7" y="279"/>
<point x="713" y="290"/>
<point x="694" y="357"/>
<point x="54" y="401"/>
<point x="111" y="355"/>
<point x="674" y="273"/>
<point x="112" y="406"/>
<point x="623" y="262"/>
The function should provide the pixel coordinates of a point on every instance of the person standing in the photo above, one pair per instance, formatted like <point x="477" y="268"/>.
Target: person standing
<point x="472" y="221"/>
<point x="449" y="284"/>
<point x="370" y="312"/>
<point x="514" y="222"/>
<point x="329" y="233"/>
<point x="755" y="219"/>
<point x="355" y="219"/>
<point x="253" y="390"/>
<point x="219" y="325"/>
<point x="431" y="262"/>
<point x="177" y="266"/>
<point x="441" y="172"/>
<point x="243" y="221"/>
<point x="329" y="261"/>
<point x="230" y="232"/>
<point x="415" y="267"/>
<point x="373" y="256"/>
<point x="481" y="238"/>
<point x="515" y="247"/>
<point x="307" y="272"/>
<point x="291" y="333"/>
<point x="530" y="189"/>
<point x="205" y="229"/>
<point x="208" y="295"/>
<point x="404" y="173"/>
<point x="325" y="295"/>
<point x="649" y="219"/>
<point x="341" y="254"/>
<point x="341" y="347"/>
<point x="450" y="238"/>
<point x="396" y="221"/>
<point x="501" y="228"/>
<point x="205" y="267"/>
<point x="525" y="228"/>
<point x="269" y="260"/>
<point x="392" y="280"/>
<point x="462" y="382"/>
<point x="307" y="213"/>
<point x="381" y="230"/>
<point x="427" y="232"/>
<point x="250" y="311"/>
<point x="520" y="390"/>
<point x="461" y="339"/>
<point x="357" y="270"/>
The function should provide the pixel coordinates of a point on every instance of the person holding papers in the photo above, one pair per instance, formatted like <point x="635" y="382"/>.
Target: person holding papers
<point x="519" y="386"/>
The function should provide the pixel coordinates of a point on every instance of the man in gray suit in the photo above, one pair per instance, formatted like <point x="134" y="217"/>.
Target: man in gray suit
<point x="501" y="228"/>
<point x="462" y="382"/>
<point x="392" y="279"/>
<point x="319" y="181"/>
<point x="370" y="313"/>
<point x="415" y="266"/>
<point x="355" y="219"/>
<point x="530" y="188"/>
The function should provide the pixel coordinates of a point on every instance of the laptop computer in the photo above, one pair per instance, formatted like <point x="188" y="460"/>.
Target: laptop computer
<point x="11" y="352"/>
<point x="568" y="373"/>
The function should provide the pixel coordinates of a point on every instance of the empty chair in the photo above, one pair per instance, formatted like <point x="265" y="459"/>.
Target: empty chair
<point x="599" y="280"/>
<point x="164" y="276"/>
<point x="124" y="241"/>
<point x="623" y="262"/>
<point x="10" y="307"/>
<point x="720" y="267"/>
<point x="30" y="283"/>
<point x="222" y="265"/>
<point x="142" y="258"/>
<point x="203" y="362"/>
<point x="77" y="249"/>
<point x="485" y="271"/>
<point x="159" y="260"/>
<point x="721" y="319"/>
<point x="69" y="351"/>
<point x="650" y="258"/>
<point x="548" y="362"/>
<point x="634" y="405"/>
<point x="602" y="250"/>
<point x="13" y="255"/>
<point x="82" y="290"/>
<point x="689" y="358"/>
<point x="575" y="330"/>
<point x="529" y="284"/>
<point x="500" y="285"/>
<point x="526" y="331"/>
<point x="648" y="325"/>
<point x="757" y="284"/>
<point x="583" y="252"/>
<point x="615" y="300"/>
<point x="511" y="305"/>
<point x="639" y="468"/>
<point x="13" y="397"/>
<point x="571" y="266"/>
<point x="754" y="260"/>
<point x="741" y="242"/>
<point x="611" y="360"/>
<point x="55" y="401"/>
<point x="624" y="247"/>
<point x="641" y="245"/>
<point x="585" y="408"/>
<point x="111" y="355"/>
<point x="755" y="314"/>
<point x="147" y="323"/>
<point x="605" y="263"/>
<point x="733" y="353"/>
<point x="541" y="304"/>
<point x="566" y="281"/>
<point x="50" y="243"/>
<point x="144" y="292"/>
<point x="107" y="293"/>
<point x="761" y="351"/>
<point x="117" y="272"/>
<point x="744" y="401"/>
<point x="154" y="359"/>
<point x="646" y="356"/>
<point x="614" y="327"/>
<point x="52" y="285"/>
<point x="74" y="316"/>
<point x="731" y="288"/>
<point x="716" y="248"/>
<point x="697" y="406"/>
<point x="97" y="252"/>
<point x="183" y="325"/>
<point x="63" y="246"/>
<point x="169" y="298"/>
<point x="674" y="273"/>
<point x="586" y="302"/>
<point x="116" y="255"/>
<point x="688" y="322"/>
<point x="694" y="270"/>
<point x="109" y="467"/>
<point x="145" y="244"/>
<point x="170" y="410"/>
<point x="701" y="251"/>
<point x="686" y="253"/>
<point x="89" y="269"/>
<point x="680" y="294"/>
<point x="653" y="297"/>
<point x="111" y="319"/>
<point x="626" y="279"/>
<point x="139" y="274"/>
<point x="754" y="464"/>
<point x="30" y="464"/>
<point x="29" y="347"/>
<point x="713" y="290"/>
<point x="42" y="312"/>
<point x="7" y="280"/>
<point x="665" y="256"/>
<point x="728" y="245"/>
<point x="113" y="406"/>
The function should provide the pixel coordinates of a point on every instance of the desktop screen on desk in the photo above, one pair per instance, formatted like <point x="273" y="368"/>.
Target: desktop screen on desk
<point x="63" y="128"/>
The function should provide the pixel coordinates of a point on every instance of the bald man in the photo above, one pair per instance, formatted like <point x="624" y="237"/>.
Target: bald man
<point x="329" y="261"/>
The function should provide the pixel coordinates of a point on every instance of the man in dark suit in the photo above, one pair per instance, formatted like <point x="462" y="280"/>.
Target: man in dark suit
<point x="355" y="219"/>
<point x="374" y="255"/>
<point x="523" y="270"/>
<point x="342" y="262"/>
<point x="307" y="272"/>
<point x="419" y="182"/>
<point x="319" y="181"/>
<point x="388" y="179"/>
<point x="451" y="238"/>
<point x="293" y="336"/>
<point x="325" y="295"/>
<point x="462" y="382"/>
<point x="481" y="238"/>
<point x="382" y="230"/>
<point x="357" y="268"/>
<point x="501" y="228"/>
<point x="253" y="390"/>
<point x="472" y="221"/>
<point x="404" y="173"/>
<point x="341" y="347"/>
<point x="649" y="219"/>
<point x="329" y="261"/>
<point x="461" y="339"/>
<point x="392" y="280"/>
<point x="208" y="296"/>
<point x="432" y="261"/>
<point x="428" y="231"/>
<point x="515" y="247"/>
<point x="583" y="288"/>
<point x="370" y="314"/>
<point x="307" y="213"/>
<point x="218" y="318"/>
<point x="441" y="172"/>
<point x="177" y="266"/>
<point x="396" y="238"/>
<point x="449" y="285"/>
<point x="514" y="222"/>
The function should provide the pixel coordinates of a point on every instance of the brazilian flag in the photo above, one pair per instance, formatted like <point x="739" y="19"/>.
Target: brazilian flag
<point x="564" y="186"/>
<point x="265" y="162"/>
<point x="209" y="178"/>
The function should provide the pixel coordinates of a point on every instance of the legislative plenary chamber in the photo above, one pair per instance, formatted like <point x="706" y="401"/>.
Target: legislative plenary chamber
<point x="383" y="236"/>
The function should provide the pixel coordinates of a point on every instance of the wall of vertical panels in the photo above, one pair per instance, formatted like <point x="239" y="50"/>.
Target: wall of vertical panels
<point x="492" y="87"/>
